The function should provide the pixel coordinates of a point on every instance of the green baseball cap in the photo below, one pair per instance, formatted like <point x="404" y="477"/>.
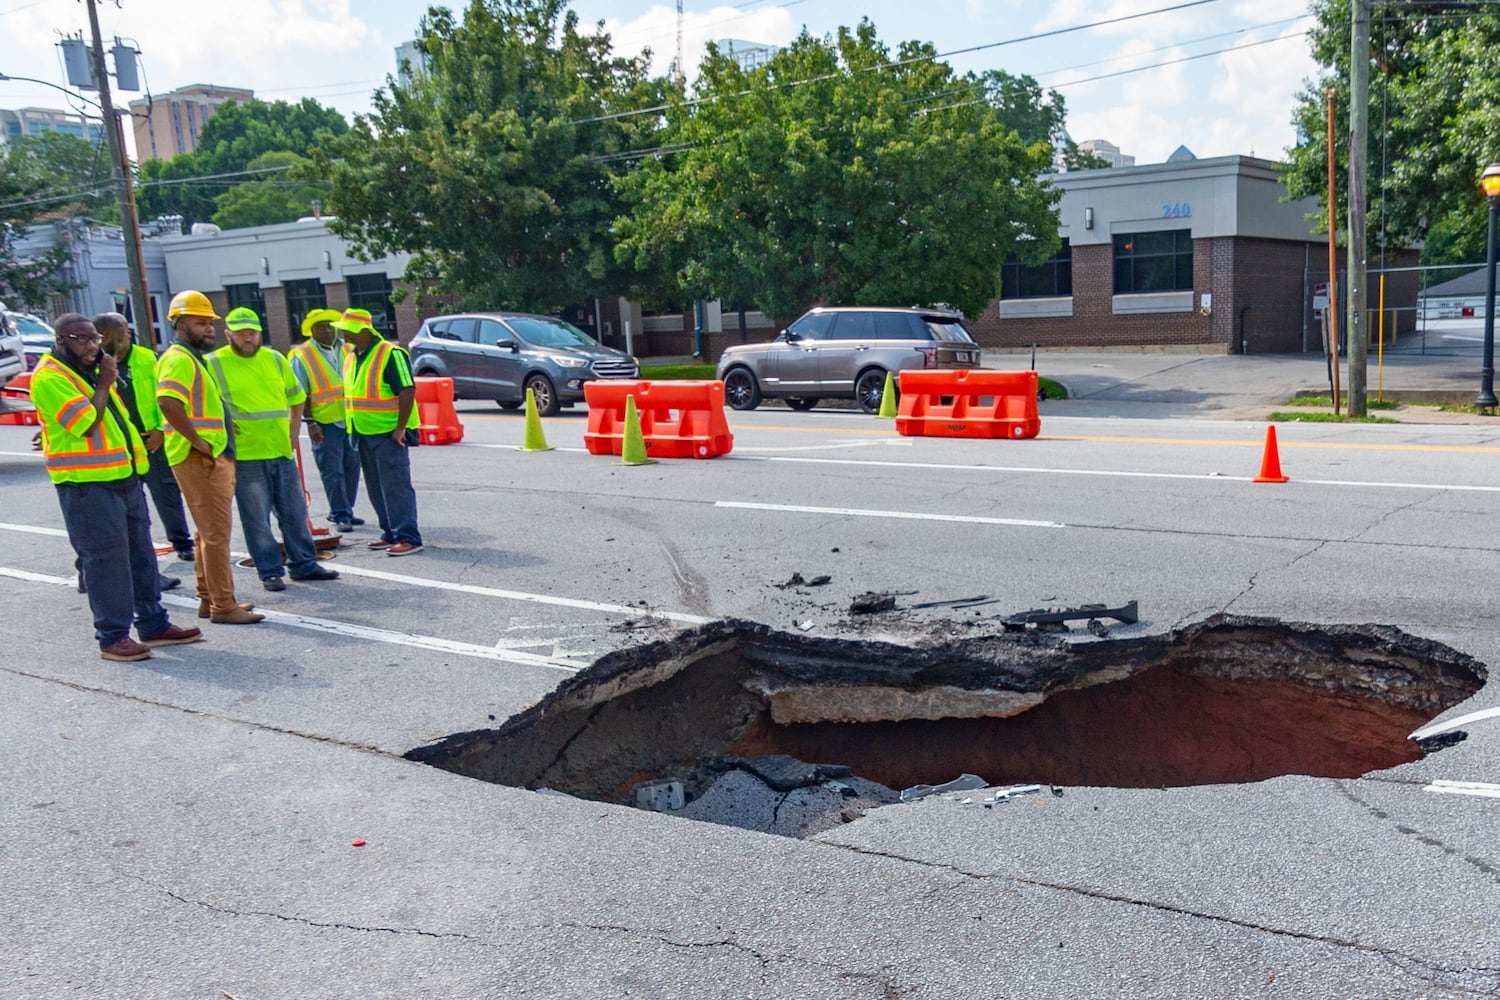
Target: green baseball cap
<point x="242" y="318"/>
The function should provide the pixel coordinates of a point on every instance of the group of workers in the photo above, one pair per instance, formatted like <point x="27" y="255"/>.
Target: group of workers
<point x="205" y="426"/>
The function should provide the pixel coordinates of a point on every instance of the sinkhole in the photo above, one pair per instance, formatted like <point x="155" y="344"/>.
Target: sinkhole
<point x="1229" y="699"/>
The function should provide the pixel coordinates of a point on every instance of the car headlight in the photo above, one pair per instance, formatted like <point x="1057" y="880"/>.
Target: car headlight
<point x="567" y="361"/>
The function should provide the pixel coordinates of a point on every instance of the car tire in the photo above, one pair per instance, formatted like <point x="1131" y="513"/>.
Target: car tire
<point x="547" y="403"/>
<point x="868" y="389"/>
<point x="802" y="402"/>
<point x="508" y="404"/>
<point x="741" y="391"/>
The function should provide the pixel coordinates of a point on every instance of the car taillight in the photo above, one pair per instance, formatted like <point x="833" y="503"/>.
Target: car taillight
<point x="929" y="356"/>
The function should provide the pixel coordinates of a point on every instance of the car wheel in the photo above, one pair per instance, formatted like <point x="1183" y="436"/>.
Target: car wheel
<point x="868" y="389"/>
<point x="741" y="391"/>
<point x="802" y="402"/>
<point x="546" y="396"/>
<point x="508" y="404"/>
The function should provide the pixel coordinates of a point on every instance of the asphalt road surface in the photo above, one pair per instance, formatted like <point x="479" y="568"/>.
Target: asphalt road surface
<point x="183" y="827"/>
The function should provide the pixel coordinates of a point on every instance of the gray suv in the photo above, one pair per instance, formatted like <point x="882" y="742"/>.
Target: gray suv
<point x="844" y="352"/>
<point x="495" y="355"/>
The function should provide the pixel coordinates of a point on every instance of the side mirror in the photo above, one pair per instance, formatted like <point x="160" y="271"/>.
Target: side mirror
<point x="506" y="345"/>
<point x="790" y="336"/>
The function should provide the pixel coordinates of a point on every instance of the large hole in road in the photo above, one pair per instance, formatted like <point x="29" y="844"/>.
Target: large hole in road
<point x="1230" y="699"/>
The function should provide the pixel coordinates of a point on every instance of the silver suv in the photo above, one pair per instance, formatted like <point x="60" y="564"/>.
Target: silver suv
<point x="493" y="355"/>
<point x="12" y="348"/>
<point x="844" y="352"/>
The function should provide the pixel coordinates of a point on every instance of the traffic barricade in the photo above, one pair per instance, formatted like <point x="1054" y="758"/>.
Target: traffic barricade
<point x="969" y="404"/>
<point x="435" y="409"/>
<point x="15" y="402"/>
<point x="679" y="419"/>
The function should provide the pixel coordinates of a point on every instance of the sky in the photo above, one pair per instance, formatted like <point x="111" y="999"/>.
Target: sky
<point x="1235" y="97"/>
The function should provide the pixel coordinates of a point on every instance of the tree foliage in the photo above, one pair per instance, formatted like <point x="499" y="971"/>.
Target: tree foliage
<point x="494" y="166"/>
<point x="234" y="137"/>
<point x="839" y="174"/>
<point x="1434" y="122"/>
<point x="44" y="178"/>
<point x="284" y="195"/>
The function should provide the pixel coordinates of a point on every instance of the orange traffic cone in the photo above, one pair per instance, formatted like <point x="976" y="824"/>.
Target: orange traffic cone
<point x="1270" y="463"/>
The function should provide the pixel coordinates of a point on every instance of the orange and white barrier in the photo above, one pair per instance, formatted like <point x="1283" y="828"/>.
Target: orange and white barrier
<point x="435" y="409"/>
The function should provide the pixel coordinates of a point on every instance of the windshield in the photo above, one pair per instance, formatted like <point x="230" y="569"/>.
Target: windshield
<point x="32" y="325"/>
<point x="947" y="329"/>
<point x="549" y="332"/>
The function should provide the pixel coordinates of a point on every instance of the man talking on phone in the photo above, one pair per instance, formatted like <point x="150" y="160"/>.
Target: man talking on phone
<point x="95" y="459"/>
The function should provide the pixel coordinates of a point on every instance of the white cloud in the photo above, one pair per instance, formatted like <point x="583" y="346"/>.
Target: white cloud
<point x="656" y="30"/>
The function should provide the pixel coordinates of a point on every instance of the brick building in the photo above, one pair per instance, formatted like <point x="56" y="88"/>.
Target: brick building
<point x="283" y="271"/>
<point x="168" y="124"/>
<point x="1195" y="254"/>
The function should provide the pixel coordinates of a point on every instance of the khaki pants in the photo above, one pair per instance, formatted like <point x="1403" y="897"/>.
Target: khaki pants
<point x="207" y="485"/>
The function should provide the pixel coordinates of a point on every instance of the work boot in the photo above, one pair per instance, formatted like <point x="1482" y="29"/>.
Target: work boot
<point x="237" y="616"/>
<point x="317" y="573"/>
<point x="205" y="609"/>
<point x="124" y="649"/>
<point x="174" y="635"/>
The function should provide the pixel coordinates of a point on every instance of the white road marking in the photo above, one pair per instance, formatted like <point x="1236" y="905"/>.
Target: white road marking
<point x="32" y="529"/>
<point x="901" y="514"/>
<point x="1432" y="729"/>
<point x="878" y="443"/>
<point x="349" y="629"/>
<point x="22" y="454"/>
<point x="1480" y="788"/>
<point x="1214" y="476"/>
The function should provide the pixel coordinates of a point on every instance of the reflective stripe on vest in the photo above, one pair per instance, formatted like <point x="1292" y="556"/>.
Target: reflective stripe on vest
<point x="235" y="413"/>
<point x="99" y="453"/>
<point x="327" y="384"/>
<point x="197" y="403"/>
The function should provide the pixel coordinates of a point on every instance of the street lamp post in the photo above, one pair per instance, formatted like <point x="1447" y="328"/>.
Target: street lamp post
<point x="1489" y="181"/>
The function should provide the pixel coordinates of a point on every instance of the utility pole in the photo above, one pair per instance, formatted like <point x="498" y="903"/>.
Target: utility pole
<point x="1359" y="144"/>
<point x="681" y="76"/>
<point x="145" y="325"/>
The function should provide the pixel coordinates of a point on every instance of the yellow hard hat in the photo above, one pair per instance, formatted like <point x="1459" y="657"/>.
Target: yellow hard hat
<point x="190" y="303"/>
<point x="316" y="316"/>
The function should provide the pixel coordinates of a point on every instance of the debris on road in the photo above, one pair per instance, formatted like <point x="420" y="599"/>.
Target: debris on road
<point x="963" y="783"/>
<point x="1043" y="617"/>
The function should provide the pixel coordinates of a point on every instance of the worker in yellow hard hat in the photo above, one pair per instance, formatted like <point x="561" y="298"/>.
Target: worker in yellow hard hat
<point x="318" y="364"/>
<point x="199" y="451"/>
<point x="380" y="403"/>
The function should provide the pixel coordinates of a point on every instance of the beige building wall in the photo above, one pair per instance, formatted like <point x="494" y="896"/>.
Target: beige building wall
<point x="169" y="123"/>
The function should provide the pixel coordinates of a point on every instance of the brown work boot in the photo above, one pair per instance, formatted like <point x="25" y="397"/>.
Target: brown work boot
<point x="174" y="635"/>
<point x="124" y="649"/>
<point x="237" y="615"/>
<point x="205" y="609"/>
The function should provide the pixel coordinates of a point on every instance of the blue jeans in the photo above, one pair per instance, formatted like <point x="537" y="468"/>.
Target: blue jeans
<point x="387" y="468"/>
<point x="338" y="467"/>
<point x="167" y="497"/>
<point x="263" y="485"/>
<point x="110" y="529"/>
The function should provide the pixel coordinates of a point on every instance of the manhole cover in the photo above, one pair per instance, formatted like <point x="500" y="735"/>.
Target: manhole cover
<point x="1231" y="699"/>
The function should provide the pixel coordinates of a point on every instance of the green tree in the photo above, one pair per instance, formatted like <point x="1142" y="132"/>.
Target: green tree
<point x="837" y="174"/>
<point x="494" y="166"/>
<point x="1435" y="124"/>
<point x="46" y="178"/>
<point x="234" y="137"/>
<point x="283" y="196"/>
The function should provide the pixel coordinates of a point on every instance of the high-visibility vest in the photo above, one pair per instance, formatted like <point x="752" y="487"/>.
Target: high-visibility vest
<point x="258" y="392"/>
<point x="369" y="404"/>
<point x="181" y="376"/>
<point x="142" y="364"/>
<point x="325" y="390"/>
<point x="107" y="452"/>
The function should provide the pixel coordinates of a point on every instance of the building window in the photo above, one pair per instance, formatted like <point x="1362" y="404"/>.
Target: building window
<point x="249" y="296"/>
<point x="302" y="297"/>
<point x="1049" y="279"/>
<point x="373" y="292"/>
<point x="1154" y="262"/>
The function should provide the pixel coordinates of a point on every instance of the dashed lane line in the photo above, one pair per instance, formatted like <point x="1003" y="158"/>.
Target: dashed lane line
<point x="350" y="630"/>
<point x="1448" y="725"/>
<point x="898" y="514"/>
<point x="1483" y="789"/>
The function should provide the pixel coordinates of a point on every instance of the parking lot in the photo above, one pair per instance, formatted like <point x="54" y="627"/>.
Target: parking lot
<point x="185" y="826"/>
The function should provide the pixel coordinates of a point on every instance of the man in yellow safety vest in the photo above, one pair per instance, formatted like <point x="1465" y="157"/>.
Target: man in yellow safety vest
<point x="380" y="404"/>
<point x="95" y="459"/>
<point x="265" y="402"/>
<point x="198" y="450"/>
<point x="318" y="364"/>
